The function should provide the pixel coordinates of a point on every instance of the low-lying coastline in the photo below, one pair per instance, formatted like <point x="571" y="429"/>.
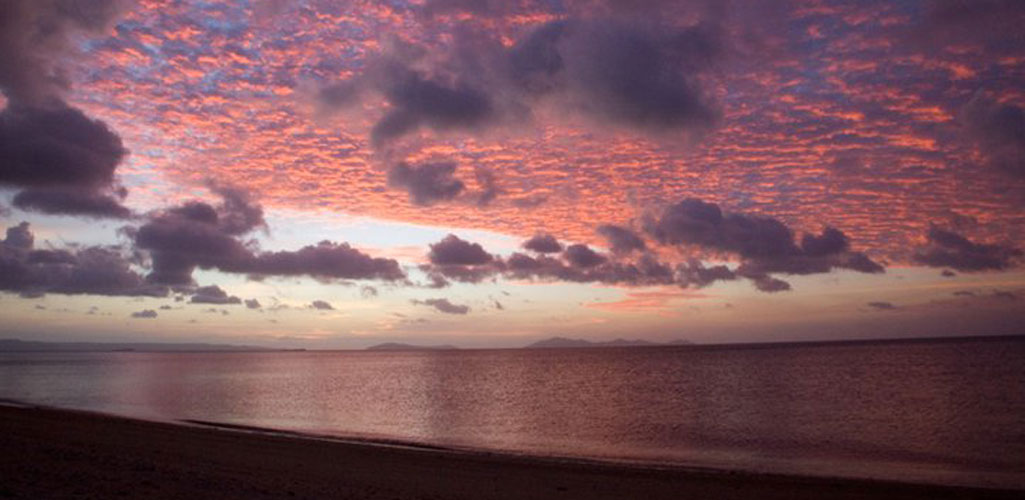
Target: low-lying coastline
<point x="67" y="453"/>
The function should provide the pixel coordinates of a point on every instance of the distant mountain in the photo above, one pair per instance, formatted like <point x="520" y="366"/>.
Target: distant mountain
<point x="396" y="346"/>
<point x="16" y="345"/>
<point x="563" y="342"/>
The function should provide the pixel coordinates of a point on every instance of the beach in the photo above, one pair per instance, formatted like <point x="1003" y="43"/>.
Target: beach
<point x="50" y="453"/>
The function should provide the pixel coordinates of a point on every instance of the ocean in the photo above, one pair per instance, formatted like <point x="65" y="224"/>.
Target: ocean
<point x="948" y="412"/>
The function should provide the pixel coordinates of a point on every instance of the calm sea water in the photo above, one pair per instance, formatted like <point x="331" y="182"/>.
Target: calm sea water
<point x="937" y="412"/>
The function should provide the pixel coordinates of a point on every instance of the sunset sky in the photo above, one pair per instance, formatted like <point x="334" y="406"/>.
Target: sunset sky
<point x="325" y="174"/>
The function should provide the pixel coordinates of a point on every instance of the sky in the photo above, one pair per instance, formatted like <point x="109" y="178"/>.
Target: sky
<point x="485" y="173"/>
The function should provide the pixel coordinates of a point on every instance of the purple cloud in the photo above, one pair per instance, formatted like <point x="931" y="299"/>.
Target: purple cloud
<point x="621" y="240"/>
<point x="949" y="249"/>
<point x="77" y="271"/>
<point x="321" y="305"/>
<point x="443" y="305"/>
<point x="196" y="234"/>
<point x="454" y="251"/>
<point x="428" y="183"/>
<point x="213" y="295"/>
<point x="543" y="243"/>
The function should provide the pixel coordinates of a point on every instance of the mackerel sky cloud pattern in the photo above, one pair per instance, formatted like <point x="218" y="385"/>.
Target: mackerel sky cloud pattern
<point x="864" y="128"/>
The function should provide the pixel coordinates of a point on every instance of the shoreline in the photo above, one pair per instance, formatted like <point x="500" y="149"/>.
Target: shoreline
<point x="67" y="453"/>
<point x="42" y="347"/>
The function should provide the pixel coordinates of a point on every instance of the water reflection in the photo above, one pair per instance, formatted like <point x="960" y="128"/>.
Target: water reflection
<point x="944" y="411"/>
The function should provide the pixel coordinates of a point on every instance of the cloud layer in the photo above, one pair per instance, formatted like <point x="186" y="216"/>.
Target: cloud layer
<point x="949" y="249"/>
<point x="33" y="272"/>
<point x="66" y="159"/>
<point x="199" y="235"/>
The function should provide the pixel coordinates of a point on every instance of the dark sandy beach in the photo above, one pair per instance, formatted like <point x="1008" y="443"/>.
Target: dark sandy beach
<point x="66" y="454"/>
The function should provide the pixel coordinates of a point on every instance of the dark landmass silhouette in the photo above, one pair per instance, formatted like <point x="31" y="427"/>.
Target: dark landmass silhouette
<point x="396" y="346"/>
<point x="16" y="345"/>
<point x="563" y="342"/>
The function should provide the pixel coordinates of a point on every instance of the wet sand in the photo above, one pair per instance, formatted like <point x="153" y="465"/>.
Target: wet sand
<point x="49" y="453"/>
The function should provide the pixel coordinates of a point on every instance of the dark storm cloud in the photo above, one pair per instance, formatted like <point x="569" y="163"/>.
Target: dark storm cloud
<point x="51" y="257"/>
<point x="321" y="305"/>
<point x="477" y="7"/>
<point x="427" y="183"/>
<point x="521" y="263"/>
<point x="34" y="37"/>
<point x="71" y="202"/>
<point x="213" y="294"/>
<point x="470" y="263"/>
<point x="882" y="306"/>
<point x="623" y="72"/>
<point x="326" y="261"/>
<point x="831" y="241"/>
<point x="582" y="256"/>
<point x="56" y="147"/>
<point x="621" y="240"/>
<point x="455" y="259"/>
<point x="196" y="234"/>
<point x="645" y="271"/>
<point x="89" y="270"/>
<point x="766" y="283"/>
<point x="454" y="251"/>
<point x="145" y="313"/>
<point x="496" y="8"/>
<point x="637" y="75"/>
<point x="999" y="131"/>
<point x="949" y="249"/>
<point x="101" y="271"/>
<point x="182" y="238"/>
<point x="419" y="94"/>
<point x="695" y="274"/>
<point x="331" y="98"/>
<point x="65" y="160"/>
<point x="543" y="243"/>
<point x="489" y="186"/>
<point x="578" y="264"/>
<point x="443" y="305"/>
<point x="238" y="214"/>
<point x="440" y="275"/>
<point x="766" y="245"/>
<point x="695" y="222"/>
<point x="417" y="101"/>
<point x="993" y="24"/>
<point x="44" y="143"/>
<point x="19" y="236"/>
